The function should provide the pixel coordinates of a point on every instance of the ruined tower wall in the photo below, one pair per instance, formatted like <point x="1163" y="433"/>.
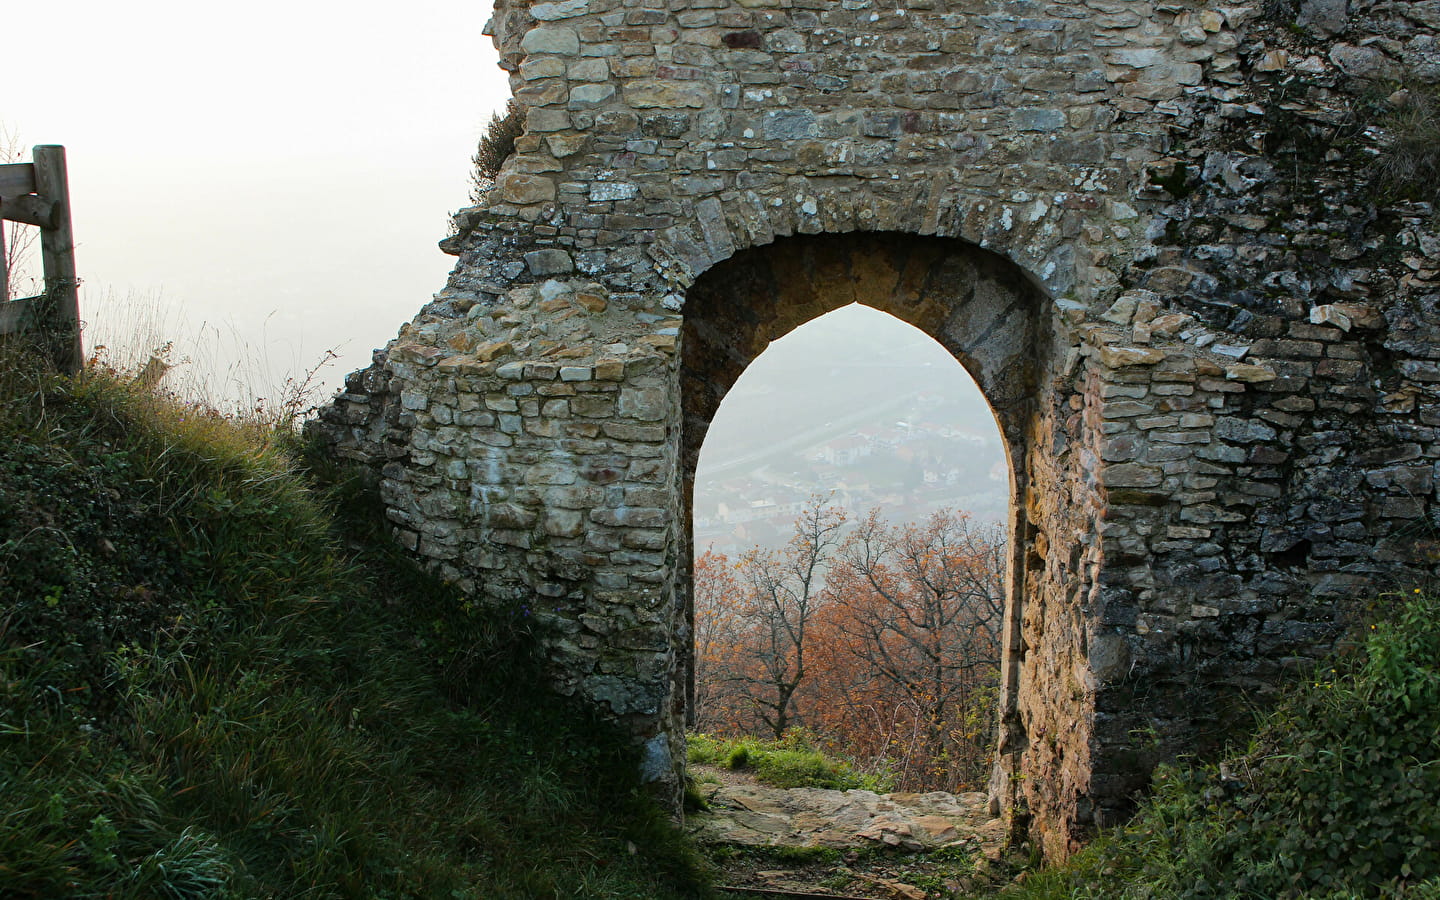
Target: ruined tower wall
<point x="1232" y="368"/>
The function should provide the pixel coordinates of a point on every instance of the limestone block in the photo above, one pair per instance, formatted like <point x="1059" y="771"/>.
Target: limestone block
<point x="1132" y="475"/>
<point x="612" y="190"/>
<point x="1122" y="310"/>
<point x="1249" y="374"/>
<point x="1038" y="119"/>
<point x="1330" y="314"/>
<point x="1117" y="357"/>
<point x="1170" y="325"/>
<point x="789" y="124"/>
<point x="563" y="145"/>
<point x="652" y="93"/>
<point x="541" y="119"/>
<point x="541" y="92"/>
<point x="647" y="404"/>
<point x="1363" y="62"/>
<point x="632" y="517"/>
<point x="591" y="69"/>
<point x="559" y="9"/>
<point x="584" y="96"/>
<point x="1324" y="17"/>
<point x="564" y="523"/>
<point x="558" y="39"/>
<point x="1273" y="61"/>
<point x="542" y="67"/>
<point x="525" y="189"/>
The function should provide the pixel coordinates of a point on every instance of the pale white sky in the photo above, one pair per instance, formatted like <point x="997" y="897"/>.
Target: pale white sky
<point x="271" y="174"/>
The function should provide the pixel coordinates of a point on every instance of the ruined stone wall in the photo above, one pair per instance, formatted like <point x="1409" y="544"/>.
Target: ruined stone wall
<point x="1231" y="386"/>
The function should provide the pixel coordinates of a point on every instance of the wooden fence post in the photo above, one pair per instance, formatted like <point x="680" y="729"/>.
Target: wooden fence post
<point x="4" y="261"/>
<point x="57" y="252"/>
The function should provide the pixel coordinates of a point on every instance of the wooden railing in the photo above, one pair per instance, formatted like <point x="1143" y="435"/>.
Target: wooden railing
<point x="37" y="193"/>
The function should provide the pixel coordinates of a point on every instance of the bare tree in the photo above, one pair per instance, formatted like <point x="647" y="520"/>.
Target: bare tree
<point x="16" y="240"/>
<point x="921" y="607"/>
<point x="778" y="597"/>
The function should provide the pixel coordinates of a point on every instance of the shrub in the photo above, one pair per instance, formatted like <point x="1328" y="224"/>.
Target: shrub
<point x="495" y="147"/>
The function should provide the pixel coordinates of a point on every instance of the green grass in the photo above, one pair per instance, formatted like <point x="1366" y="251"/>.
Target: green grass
<point x="793" y="761"/>
<point x="1337" y="796"/>
<point x="219" y="680"/>
<point x="1407" y="166"/>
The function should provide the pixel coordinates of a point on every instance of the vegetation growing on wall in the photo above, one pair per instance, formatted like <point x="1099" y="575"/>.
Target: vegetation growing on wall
<point x="1408" y="164"/>
<point x="496" y="145"/>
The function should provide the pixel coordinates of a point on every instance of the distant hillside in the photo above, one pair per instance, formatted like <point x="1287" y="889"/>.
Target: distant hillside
<point x="927" y="436"/>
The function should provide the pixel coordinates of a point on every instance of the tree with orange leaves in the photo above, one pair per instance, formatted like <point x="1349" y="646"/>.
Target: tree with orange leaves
<point x="885" y="643"/>
<point x="719" y="646"/>
<point x="758" y="642"/>
<point x="916" y="617"/>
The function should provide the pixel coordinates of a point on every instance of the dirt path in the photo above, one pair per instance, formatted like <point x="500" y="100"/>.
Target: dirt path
<point x="842" y="843"/>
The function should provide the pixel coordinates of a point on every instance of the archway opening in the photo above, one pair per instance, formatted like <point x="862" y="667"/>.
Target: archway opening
<point x="981" y="309"/>
<point x="850" y="505"/>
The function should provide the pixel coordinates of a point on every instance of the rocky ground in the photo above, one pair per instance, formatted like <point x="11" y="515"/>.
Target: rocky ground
<point x="828" y="843"/>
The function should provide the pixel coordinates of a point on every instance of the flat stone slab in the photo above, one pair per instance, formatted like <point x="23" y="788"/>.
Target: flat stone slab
<point x="757" y="815"/>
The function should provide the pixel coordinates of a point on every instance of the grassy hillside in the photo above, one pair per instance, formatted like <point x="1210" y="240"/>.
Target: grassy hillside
<point x="216" y="680"/>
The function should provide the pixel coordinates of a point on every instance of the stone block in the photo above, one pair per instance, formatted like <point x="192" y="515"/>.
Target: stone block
<point x="559" y="9"/>
<point x="584" y="96"/>
<point x="655" y="93"/>
<point x="520" y="188"/>
<point x="558" y="39"/>
<point x="1118" y="357"/>
<point x="789" y="124"/>
<point x="1131" y="475"/>
<point x="631" y="517"/>
<point x="549" y="262"/>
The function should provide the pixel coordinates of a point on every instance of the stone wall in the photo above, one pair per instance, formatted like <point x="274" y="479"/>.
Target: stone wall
<point x="1146" y="228"/>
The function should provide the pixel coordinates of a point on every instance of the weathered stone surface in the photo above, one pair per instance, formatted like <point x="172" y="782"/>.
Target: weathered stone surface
<point x="668" y="94"/>
<point x="743" y="813"/>
<point x="519" y="188"/>
<point x="549" y="262"/>
<point x="551" y="39"/>
<point x="1325" y="17"/>
<point x="1116" y="357"/>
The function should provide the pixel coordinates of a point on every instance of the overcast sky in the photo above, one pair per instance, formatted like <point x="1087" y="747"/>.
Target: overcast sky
<point x="270" y="174"/>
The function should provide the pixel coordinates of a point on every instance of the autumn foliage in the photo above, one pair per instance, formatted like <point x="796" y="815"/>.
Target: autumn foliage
<point x="884" y="640"/>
